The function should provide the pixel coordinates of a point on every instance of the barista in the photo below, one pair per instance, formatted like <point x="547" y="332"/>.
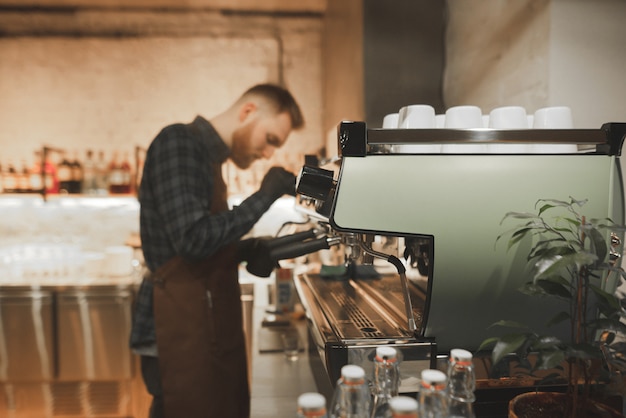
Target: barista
<point x="187" y="324"/>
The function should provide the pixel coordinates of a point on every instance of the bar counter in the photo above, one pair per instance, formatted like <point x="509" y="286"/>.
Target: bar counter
<point x="276" y="382"/>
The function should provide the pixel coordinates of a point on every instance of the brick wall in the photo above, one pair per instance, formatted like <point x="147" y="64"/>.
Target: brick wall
<point x="111" y="79"/>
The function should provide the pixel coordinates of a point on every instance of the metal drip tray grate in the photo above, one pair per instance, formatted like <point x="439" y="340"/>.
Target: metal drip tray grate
<point x="357" y="317"/>
<point x="352" y="313"/>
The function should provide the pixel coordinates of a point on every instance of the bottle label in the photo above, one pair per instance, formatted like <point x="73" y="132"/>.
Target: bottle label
<point x="284" y="290"/>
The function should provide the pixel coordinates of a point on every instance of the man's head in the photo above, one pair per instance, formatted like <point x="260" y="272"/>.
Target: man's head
<point x="258" y="123"/>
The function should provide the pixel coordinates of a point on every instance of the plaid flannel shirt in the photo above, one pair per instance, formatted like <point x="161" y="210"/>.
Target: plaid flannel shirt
<point x="175" y="198"/>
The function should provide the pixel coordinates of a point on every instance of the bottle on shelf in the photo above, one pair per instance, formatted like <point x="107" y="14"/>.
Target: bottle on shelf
<point x="115" y="174"/>
<point x="51" y="176"/>
<point x="9" y="179"/>
<point x="386" y="381"/>
<point x="461" y="384"/>
<point x="102" y="174"/>
<point x="76" y="182"/>
<point x="433" y="396"/>
<point x="127" y="175"/>
<point x="351" y="398"/>
<point x="90" y="185"/>
<point x="311" y="405"/>
<point x="403" y="407"/>
<point x="64" y="174"/>
<point x="23" y="179"/>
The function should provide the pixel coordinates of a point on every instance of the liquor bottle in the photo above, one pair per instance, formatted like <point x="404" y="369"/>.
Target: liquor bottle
<point x="23" y="179"/>
<point x="90" y="185"/>
<point x="116" y="175"/>
<point x="403" y="407"/>
<point x="34" y="180"/>
<point x="77" y="174"/>
<point x="127" y="175"/>
<point x="351" y="398"/>
<point x="386" y="380"/>
<point x="433" y="397"/>
<point x="102" y="174"/>
<point x="311" y="405"/>
<point x="64" y="174"/>
<point x="461" y="383"/>
<point x="9" y="179"/>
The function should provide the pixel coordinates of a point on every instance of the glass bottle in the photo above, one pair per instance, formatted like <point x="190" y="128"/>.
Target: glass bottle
<point x="311" y="405"/>
<point x="64" y="174"/>
<point x="90" y="185"/>
<point x="76" y="184"/>
<point x="461" y="383"/>
<point x="352" y="394"/>
<point x="433" y="396"/>
<point x="386" y="380"/>
<point x="102" y="174"/>
<point x="403" y="407"/>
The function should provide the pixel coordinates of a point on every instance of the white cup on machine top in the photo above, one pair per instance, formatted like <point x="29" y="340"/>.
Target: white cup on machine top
<point x="390" y="121"/>
<point x="440" y="121"/>
<point x="508" y="117"/>
<point x="417" y="116"/>
<point x="464" y="117"/>
<point x="554" y="117"/>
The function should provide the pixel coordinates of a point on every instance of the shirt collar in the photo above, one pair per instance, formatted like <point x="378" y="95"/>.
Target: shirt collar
<point x="219" y="150"/>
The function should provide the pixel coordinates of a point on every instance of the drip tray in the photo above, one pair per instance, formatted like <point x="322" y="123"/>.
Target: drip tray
<point x="354" y="311"/>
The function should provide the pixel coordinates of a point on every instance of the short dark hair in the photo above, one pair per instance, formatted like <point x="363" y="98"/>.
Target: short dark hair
<point x="281" y="98"/>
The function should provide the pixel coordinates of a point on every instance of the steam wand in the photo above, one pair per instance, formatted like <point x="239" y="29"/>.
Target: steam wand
<point x="403" y="280"/>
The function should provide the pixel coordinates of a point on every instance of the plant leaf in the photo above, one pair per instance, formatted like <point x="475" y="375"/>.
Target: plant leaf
<point x="558" y="318"/>
<point x="544" y="343"/>
<point x="510" y="324"/>
<point x="507" y="344"/>
<point x="549" y="359"/>
<point x="598" y="243"/>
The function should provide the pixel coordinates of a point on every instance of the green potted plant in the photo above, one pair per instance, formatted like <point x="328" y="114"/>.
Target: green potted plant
<point x="569" y="257"/>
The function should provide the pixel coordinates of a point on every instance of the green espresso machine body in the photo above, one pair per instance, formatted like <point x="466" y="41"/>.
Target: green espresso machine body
<point x="458" y="202"/>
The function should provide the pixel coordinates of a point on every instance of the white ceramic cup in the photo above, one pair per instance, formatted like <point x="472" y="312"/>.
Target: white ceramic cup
<point x="390" y="121"/>
<point x="440" y="121"/>
<point x="508" y="117"/>
<point x="554" y="117"/>
<point x="464" y="117"/>
<point x="417" y="117"/>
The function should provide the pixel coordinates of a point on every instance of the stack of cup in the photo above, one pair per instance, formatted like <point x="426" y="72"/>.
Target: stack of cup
<point x="464" y="117"/>
<point x="508" y="117"/>
<point x="417" y="116"/>
<point x="556" y="117"/>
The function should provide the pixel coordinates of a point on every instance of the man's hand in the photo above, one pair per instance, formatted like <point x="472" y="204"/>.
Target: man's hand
<point x="256" y="253"/>
<point x="278" y="182"/>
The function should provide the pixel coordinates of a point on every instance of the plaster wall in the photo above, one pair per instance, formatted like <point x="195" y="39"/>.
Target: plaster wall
<point x="537" y="53"/>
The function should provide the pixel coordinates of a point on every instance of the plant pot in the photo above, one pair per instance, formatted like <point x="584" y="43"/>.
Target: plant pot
<point x="552" y="405"/>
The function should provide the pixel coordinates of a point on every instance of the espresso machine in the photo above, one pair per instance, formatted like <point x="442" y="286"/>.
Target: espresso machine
<point x="422" y="270"/>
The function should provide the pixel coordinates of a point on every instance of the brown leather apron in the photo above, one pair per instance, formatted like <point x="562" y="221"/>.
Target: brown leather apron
<point x="199" y="332"/>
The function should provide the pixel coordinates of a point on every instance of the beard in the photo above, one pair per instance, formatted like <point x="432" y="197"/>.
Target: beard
<point x="240" y="153"/>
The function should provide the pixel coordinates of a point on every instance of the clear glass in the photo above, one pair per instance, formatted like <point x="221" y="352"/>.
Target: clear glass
<point x="433" y="395"/>
<point x="386" y="382"/>
<point x="461" y="409"/>
<point x="351" y="398"/>
<point x="461" y="376"/>
<point x="311" y="405"/>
